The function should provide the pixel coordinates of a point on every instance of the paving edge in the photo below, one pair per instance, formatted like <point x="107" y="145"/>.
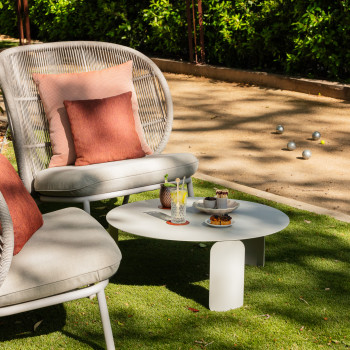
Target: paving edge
<point x="274" y="197"/>
<point x="276" y="81"/>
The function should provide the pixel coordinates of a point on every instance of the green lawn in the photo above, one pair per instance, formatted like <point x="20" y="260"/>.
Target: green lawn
<point x="299" y="300"/>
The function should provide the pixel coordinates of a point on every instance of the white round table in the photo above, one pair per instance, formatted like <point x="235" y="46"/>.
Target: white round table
<point x="237" y="245"/>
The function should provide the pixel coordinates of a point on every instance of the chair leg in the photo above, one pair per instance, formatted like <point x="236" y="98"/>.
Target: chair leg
<point x="86" y="205"/>
<point x="106" y="323"/>
<point x="190" y="188"/>
<point x="126" y="199"/>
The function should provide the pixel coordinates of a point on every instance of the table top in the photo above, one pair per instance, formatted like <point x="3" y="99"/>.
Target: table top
<point x="144" y="218"/>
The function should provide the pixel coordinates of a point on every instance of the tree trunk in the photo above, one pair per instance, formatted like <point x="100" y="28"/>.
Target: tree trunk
<point x="201" y="30"/>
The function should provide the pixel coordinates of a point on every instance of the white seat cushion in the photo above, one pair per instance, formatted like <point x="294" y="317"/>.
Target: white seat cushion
<point x="69" y="251"/>
<point x="88" y="180"/>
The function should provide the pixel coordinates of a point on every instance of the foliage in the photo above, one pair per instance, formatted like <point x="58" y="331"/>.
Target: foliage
<point x="286" y="36"/>
<point x="168" y="26"/>
<point x="292" y="36"/>
<point x="321" y="38"/>
<point x="166" y="183"/>
<point x="8" y="19"/>
<point x="101" y="20"/>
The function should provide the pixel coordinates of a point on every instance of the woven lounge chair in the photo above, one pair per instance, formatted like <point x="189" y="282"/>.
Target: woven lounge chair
<point x="70" y="257"/>
<point x="29" y="126"/>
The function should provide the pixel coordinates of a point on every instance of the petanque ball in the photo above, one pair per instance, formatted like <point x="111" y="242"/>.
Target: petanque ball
<point x="316" y="135"/>
<point x="306" y="154"/>
<point x="279" y="129"/>
<point x="291" y="146"/>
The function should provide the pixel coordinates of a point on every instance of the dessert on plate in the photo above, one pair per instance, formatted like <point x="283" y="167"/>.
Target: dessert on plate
<point x="215" y="220"/>
<point x="220" y="220"/>
<point x="225" y="219"/>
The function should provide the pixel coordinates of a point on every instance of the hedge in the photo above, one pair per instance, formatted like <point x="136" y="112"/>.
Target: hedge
<point x="298" y="37"/>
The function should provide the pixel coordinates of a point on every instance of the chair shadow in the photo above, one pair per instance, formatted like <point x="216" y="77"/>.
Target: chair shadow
<point x="39" y="322"/>
<point x="26" y="324"/>
<point x="177" y="265"/>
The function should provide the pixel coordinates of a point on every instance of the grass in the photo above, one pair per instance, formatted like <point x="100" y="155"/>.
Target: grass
<point x="299" y="300"/>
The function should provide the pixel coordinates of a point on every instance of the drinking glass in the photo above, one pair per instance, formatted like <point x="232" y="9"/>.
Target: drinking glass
<point x="178" y="206"/>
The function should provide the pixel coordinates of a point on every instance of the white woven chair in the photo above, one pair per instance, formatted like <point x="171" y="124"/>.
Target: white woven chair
<point x="70" y="257"/>
<point x="30" y="133"/>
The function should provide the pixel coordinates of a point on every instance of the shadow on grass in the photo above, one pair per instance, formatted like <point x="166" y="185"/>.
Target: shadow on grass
<point x="22" y="325"/>
<point x="42" y="322"/>
<point x="177" y="265"/>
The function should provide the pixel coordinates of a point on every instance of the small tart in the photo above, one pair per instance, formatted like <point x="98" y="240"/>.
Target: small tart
<point x="225" y="219"/>
<point x="220" y="220"/>
<point x="215" y="220"/>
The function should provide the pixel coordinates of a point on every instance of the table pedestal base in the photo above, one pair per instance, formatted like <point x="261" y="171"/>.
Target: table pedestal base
<point x="226" y="285"/>
<point x="254" y="251"/>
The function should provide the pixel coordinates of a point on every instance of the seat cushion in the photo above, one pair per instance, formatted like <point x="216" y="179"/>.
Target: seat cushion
<point x="104" y="129"/>
<point x="25" y="214"/>
<point x="69" y="251"/>
<point x="88" y="180"/>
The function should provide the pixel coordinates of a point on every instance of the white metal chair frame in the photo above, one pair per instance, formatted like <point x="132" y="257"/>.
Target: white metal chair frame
<point x="26" y="115"/>
<point x="6" y="253"/>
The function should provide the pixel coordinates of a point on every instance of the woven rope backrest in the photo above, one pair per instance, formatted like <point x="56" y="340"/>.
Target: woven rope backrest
<point x="26" y="112"/>
<point x="6" y="239"/>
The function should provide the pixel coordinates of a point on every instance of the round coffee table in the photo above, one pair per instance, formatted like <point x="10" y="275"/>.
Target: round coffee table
<point x="236" y="245"/>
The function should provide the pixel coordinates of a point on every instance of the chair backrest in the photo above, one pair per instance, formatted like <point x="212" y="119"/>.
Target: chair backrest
<point x="6" y="239"/>
<point x="25" y="111"/>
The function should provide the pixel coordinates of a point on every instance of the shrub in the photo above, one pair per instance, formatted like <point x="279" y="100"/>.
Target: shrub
<point x="167" y="24"/>
<point x="8" y="19"/>
<point x="287" y="36"/>
<point x="321" y="38"/>
<point x="101" y="20"/>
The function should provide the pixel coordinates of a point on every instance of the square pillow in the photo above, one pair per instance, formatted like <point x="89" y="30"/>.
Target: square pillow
<point x="104" y="129"/>
<point x="55" y="88"/>
<point x="25" y="214"/>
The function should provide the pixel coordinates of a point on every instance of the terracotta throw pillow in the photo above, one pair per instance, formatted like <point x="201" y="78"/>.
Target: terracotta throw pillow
<point x="25" y="214"/>
<point x="104" y="129"/>
<point x="56" y="88"/>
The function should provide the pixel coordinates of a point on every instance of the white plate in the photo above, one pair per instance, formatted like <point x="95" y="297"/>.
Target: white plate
<point x="217" y="226"/>
<point x="231" y="206"/>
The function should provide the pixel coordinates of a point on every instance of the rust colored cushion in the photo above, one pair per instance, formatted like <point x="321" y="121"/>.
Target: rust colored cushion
<point x="24" y="212"/>
<point x="56" y="88"/>
<point x="104" y="130"/>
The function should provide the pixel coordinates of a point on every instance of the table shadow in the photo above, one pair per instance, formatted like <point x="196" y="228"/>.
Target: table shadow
<point x="177" y="265"/>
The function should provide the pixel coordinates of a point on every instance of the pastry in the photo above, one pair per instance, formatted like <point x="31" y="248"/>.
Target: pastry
<point x="215" y="220"/>
<point x="220" y="220"/>
<point x="225" y="219"/>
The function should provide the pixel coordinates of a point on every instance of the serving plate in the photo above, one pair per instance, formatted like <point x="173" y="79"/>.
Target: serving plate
<point x="216" y="226"/>
<point x="231" y="206"/>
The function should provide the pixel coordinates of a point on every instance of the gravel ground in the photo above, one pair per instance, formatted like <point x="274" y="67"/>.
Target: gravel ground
<point x="231" y="129"/>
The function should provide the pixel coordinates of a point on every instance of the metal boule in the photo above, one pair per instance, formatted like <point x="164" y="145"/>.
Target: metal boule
<point x="279" y="129"/>
<point x="306" y="154"/>
<point x="291" y="146"/>
<point x="316" y="135"/>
